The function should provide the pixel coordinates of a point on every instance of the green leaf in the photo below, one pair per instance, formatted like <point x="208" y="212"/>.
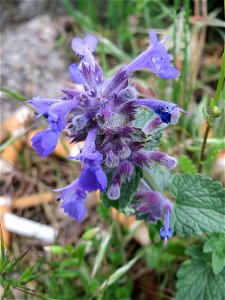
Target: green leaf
<point x="112" y="49"/>
<point x="163" y="176"/>
<point x="157" y="258"/>
<point x="27" y="274"/>
<point x="210" y="244"/>
<point x="218" y="263"/>
<point x="196" y="280"/>
<point x="101" y="252"/>
<point x="216" y="245"/>
<point x="186" y="165"/>
<point x="90" y="233"/>
<point x="121" y="271"/>
<point x="213" y="151"/>
<point x="66" y="274"/>
<point x="199" y="207"/>
<point x="127" y="192"/>
<point x="55" y="249"/>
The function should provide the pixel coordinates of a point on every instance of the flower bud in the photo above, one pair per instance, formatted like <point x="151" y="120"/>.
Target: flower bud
<point x="216" y="112"/>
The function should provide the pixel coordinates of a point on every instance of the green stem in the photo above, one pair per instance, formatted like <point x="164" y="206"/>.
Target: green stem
<point x="210" y="121"/>
<point x="186" y="84"/>
<point x="220" y="82"/>
<point x="203" y="148"/>
<point x="152" y="184"/>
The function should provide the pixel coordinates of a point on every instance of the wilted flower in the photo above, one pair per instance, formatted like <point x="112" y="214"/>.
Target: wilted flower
<point x="103" y="115"/>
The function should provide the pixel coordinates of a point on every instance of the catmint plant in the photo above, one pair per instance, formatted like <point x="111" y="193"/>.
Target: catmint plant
<point x="103" y="115"/>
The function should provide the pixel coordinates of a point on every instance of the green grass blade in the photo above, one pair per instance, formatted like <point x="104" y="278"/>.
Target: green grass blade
<point x="121" y="271"/>
<point x="16" y="96"/>
<point x="101" y="252"/>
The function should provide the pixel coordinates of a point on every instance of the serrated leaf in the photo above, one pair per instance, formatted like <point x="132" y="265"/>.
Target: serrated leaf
<point x="196" y="281"/>
<point x="199" y="207"/>
<point x="127" y="192"/>
<point x="210" y="244"/>
<point x="216" y="245"/>
<point x="186" y="165"/>
<point x="218" y="263"/>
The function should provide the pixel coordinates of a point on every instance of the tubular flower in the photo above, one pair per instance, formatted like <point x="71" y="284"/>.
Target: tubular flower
<point x="103" y="115"/>
<point x="156" y="59"/>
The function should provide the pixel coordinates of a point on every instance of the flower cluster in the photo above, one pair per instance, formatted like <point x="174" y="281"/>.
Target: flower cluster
<point x="103" y="115"/>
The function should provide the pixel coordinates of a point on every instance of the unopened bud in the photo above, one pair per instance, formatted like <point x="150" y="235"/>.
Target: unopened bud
<point x="216" y="112"/>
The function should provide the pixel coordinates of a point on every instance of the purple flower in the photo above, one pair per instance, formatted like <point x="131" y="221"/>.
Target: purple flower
<point x="167" y="111"/>
<point x="152" y="125"/>
<point x="103" y="115"/>
<point x="166" y="232"/>
<point x="111" y="159"/>
<point x="55" y="111"/>
<point x="85" y="47"/>
<point x="163" y="159"/>
<point x="113" y="192"/>
<point x="92" y="177"/>
<point x="76" y="74"/>
<point x="156" y="59"/>
<point x="150" y="205"/>
<point x="73" y="200"/>
<point x="153" y="206"/>
<point x="44" y="142"/>
<point x="88" y="43"/>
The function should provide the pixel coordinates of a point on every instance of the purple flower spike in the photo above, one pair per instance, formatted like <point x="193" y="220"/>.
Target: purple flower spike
<point x="167" y="111"/>
<point x="73" y="200"/>
<point x="103" y="115"/>
<point x="44" y="142"/>
<point x="156" y="59"/>
<point x="163" y="159"/>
